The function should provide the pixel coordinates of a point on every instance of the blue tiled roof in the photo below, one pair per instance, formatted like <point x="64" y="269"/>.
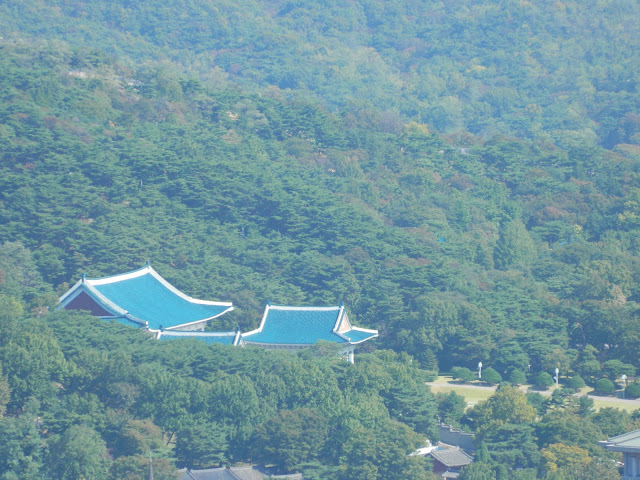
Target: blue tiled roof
<point x="126" y="321"/>
<point x="144" y="295"/>
<point x="225" y="338"/>
<point x="356" y="336"/>
<point x="297" y="326"/>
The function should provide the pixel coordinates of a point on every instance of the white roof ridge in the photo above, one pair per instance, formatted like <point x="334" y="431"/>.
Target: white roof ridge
<point x="320" y="308"/>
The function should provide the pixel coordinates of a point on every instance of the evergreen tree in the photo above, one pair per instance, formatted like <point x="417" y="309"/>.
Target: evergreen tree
<point x="291" y="438"/>
<point x="414" y="405"/>
<point x="463" y="373"/>
<point x="21" y="448"/>
<point x="575" y="382"/>
<point x="515" y="247"/>
<point x="604" y="386"/>
<point x="451" y="407"/>
<point x="632" y="390"/>
<point x="202" y="445"/>
<point x="543" y="380"/>
<point x="490" y="375"/>
<point x="517" y="377"/>
<point x="478" y="471"/>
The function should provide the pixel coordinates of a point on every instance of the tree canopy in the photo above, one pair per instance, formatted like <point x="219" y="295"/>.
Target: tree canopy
<point x="463" y="176"/>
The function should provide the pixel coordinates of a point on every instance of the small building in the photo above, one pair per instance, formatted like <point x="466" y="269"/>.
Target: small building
<point x="448" y="462"/>
<point x="629" y="445"/>
<point x="144" y="299"/>
<point x="294" y="328"/>
<point x="222" y="473"/>
<point x="449" y="435"/>
<point x="233" y="473"/>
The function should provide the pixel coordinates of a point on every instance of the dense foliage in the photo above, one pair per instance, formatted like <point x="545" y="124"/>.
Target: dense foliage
<point x="562" y="71"/>
<point x="523" y="437"/>
<point x="463" y="176"/>
<point x="513" y="252"/>
<point x="115" y="393"/>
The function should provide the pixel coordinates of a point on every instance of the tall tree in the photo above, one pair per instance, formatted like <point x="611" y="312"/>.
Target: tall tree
<point x="515" y="247"/>
<point x="79" y="454"/>
<point x="202" y="445"/>
<point x="21" y="448"/>
<point x="507" y="405"/>
<point x="291" y="438"/>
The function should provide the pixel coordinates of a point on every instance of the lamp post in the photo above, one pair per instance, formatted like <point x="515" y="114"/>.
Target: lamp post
<point x="624" y="388"/>
<point x="479" y="370"/>
<point x="557" y="377"/>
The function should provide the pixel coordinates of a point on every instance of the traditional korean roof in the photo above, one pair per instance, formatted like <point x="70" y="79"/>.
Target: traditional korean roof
<point x="221" y="473"/>
<point x="232" y="473"/>
<point x="451" y="457"/>
<point x="627" y="442"/>
<point x="225" y="338"/>
<point x="247" y="473"/>
<point x="450" y="474"/>
<point x="142" y="298"/>
<point x="289" y="325"/>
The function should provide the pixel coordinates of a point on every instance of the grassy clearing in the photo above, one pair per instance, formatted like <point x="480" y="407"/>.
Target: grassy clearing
<point x="602" y="402"/>
<point x="473" y="394"/>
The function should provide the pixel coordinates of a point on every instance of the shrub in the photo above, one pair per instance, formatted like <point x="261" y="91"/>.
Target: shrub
<point x="576" y="382"/>
<point x="517" y="377"/>
<point x="429" y="375"/>
<point x="605" y="386"/>
<point x="543" y="380"/>
<point x="632" y="391"/>
<point x="463" y="373"/>
<point x="490" y="375"/>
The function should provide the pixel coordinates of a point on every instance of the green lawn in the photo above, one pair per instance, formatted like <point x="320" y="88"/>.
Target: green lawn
<point x="470" y="394"/>
<point x="473" y="395"/>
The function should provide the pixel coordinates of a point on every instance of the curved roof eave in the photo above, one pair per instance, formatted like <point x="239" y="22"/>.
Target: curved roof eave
<point x="195" y="322"/>
<point x="113" y="294"/>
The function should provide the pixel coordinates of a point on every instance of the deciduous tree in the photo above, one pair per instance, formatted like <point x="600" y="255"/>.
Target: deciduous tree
<point x="79" y="454"/>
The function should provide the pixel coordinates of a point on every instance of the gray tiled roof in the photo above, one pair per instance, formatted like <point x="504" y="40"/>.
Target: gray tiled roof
<point x="208" y="474"/>
<point x="452" y="457"/>
<point x="625" y="442"/>
<point x="246" y="473"/>
<point x="449" y="474"/>
<point x="232" y="473"/>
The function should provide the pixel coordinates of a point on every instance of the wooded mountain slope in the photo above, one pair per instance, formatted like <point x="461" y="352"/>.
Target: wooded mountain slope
<point x="565" y="72"/>
<point x="464" y="176"/>
<point x="250" y="198"/>
<point x="454" y="254"/>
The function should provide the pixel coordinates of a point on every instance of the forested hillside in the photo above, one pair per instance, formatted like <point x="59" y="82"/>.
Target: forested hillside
<point x="104" y="394"/>
<point x="556" y="71"/>
<point x="463" y="176"/>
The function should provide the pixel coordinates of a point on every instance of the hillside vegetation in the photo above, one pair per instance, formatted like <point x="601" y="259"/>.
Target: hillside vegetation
<point x="565" y="72"/>
<point x="463" y="176"/>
